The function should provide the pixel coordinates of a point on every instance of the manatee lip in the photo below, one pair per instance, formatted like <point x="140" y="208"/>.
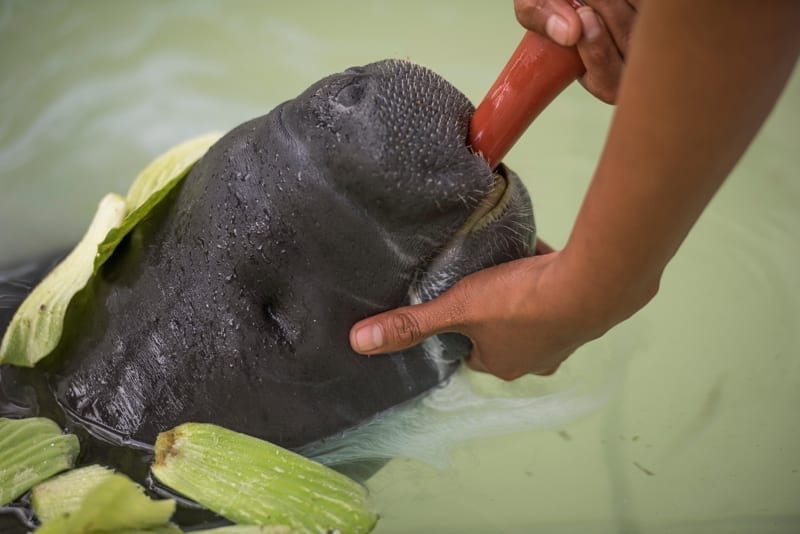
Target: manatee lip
<point x="491" y="207"/>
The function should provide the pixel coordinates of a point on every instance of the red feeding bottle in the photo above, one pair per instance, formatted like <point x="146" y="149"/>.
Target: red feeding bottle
<point x="537" y="72"/>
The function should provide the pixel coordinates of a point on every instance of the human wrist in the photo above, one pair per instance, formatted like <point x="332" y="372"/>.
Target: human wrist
<point x="610" y="289"/>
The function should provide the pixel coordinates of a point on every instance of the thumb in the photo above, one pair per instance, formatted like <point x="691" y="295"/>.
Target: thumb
<point x="556" y="19"/>
<point x="405" y="327"/>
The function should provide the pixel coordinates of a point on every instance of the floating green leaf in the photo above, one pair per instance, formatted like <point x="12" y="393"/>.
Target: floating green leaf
<point x="253" y="482"/>
<point x="115" y="504"/>
<point x="163" y="529"/>
<point x="249" y="529"/>
<point x="63" y="495"/>
<point x="151" y="186"/>
<point x="32" y="450"/>
<point x="36" y="328"/>
<point x="167" y="528"/>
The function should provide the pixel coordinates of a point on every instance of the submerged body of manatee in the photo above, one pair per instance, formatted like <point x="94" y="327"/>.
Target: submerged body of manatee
<point x="231" y="302"/>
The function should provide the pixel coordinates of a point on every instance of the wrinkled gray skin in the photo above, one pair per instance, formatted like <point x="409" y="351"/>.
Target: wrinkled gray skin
<point x="232" y="303"/>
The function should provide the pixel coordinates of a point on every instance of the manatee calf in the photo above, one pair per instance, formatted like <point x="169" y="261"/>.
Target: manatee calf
<point x="232" y="302"/>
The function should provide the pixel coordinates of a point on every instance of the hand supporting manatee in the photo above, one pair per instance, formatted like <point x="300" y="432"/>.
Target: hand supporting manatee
<point x="525" y="316"/>
<point x="678" y="131"/>
<point x="599" y="29"/>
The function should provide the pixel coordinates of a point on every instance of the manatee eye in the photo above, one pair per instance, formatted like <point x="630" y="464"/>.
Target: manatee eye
<point x="351" y="94"/>
<point x="356" y="70"/>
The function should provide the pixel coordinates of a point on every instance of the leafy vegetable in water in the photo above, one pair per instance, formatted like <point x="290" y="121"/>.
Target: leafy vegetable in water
<point x="114" y="504"/>
<point x="62" y="504"/>
<point x="63" y="495"/>
<point x="32" y="450"/>
<point x="152" y="186"/>
<point x="268" y="489"/>
<point x="250" y="481"/>
<point x="37" y="326"/>
<point x="249" y="529"/>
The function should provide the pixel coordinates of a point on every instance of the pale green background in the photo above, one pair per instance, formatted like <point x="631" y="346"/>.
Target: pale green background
<point x="703" y="433"/>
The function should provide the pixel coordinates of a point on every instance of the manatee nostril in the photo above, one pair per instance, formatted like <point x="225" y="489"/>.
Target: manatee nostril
<point x="351" y="94"/>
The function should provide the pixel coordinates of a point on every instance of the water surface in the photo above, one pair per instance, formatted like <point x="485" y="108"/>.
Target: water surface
<point x="701" y="432"/>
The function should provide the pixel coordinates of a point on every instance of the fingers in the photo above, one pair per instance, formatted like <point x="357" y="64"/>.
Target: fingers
<point x="600" y="29"/>
<point x="557" y="19"/>
<point x="554" y="18"/>
<point x="476" y="362"/>
<point x="617" y="17"/>
<point x="504" y="372"/>
<point x="600" y="56"/>
<point x="405" y="327"/>
<point x="607" y="27"/>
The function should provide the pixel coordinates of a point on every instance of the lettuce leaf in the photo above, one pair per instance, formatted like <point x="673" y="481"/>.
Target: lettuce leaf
<point x="254" y="482"/>
<point x="37" y="327"/>
<point x="32" y="450"/>
<point x="116" y="504"/>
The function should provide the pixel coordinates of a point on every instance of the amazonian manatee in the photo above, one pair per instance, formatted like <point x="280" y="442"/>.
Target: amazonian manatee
<point x="232" y="302"/>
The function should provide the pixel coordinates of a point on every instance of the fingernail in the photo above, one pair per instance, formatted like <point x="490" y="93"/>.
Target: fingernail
<point x="591" y="25"/>
<point x="369" y="338"/>
<point x="557" y="29"/>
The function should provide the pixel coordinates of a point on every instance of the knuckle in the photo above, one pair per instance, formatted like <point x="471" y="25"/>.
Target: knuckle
<point x="530" y="13"/>
<point x="508" y="374"/>
<point x="548" y="372"/>
<point x="522" y="16"/>
<point x="406" y="328"/>
<point x="618" y="17"/>
<point x="501" y="370"/>
<point x="459" y="303"/>
<point x="605" y="92"/>
<point x="603" y="72"/>
<point x="600" y="53"/>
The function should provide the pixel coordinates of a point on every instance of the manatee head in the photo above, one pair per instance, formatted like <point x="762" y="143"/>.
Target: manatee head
<point x="232" y="303"/>
<point x="390" y="140"/>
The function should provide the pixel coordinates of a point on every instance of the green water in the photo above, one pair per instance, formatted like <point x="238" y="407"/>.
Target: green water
<point x="702" y="432"/>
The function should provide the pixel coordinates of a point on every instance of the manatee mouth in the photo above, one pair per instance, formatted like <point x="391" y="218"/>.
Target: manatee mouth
<point x="491" y="208"/>
<point x="454" y="259"/>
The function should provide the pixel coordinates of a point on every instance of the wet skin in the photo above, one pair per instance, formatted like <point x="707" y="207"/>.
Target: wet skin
<point x="232" y="302"/>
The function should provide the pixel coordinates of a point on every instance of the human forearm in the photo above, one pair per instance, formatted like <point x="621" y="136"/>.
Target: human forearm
<point x="694" y="94"/>
<point x="700" y="79"/>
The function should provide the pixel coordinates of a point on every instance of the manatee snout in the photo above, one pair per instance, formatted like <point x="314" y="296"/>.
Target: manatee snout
<point x="232" y="302"/>
<point x="392" y="138"/>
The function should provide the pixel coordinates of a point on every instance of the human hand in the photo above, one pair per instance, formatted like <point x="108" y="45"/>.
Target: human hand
<point x="599" y="29"/>
<point x="525" y="316"/>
